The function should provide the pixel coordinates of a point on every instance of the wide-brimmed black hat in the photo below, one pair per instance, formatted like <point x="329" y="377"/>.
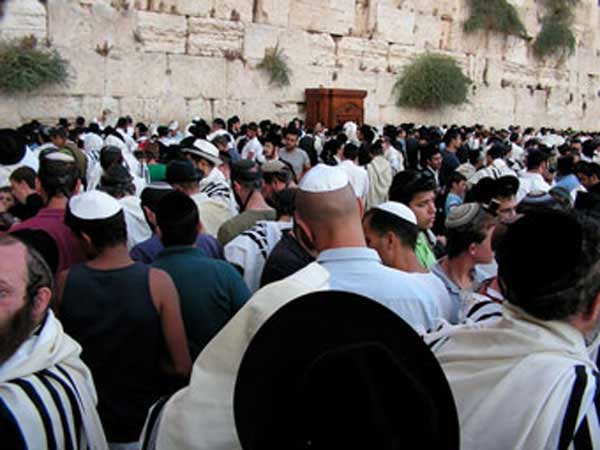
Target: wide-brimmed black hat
<point x="12" y="147"/>
<point x="182" y="172"/>
<point x="337" y="370"/>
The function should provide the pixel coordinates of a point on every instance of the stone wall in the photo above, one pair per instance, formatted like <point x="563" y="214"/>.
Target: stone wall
<point x="163" y="59"/>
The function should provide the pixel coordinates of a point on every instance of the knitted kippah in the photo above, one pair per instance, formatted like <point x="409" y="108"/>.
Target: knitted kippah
<point x="462" y="215"/>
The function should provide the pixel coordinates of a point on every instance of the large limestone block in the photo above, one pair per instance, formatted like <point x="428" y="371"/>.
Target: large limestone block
<point x="162" y="32"/>
<point x="172" y="107"/>
<point x="92" y="107"/>
<point x="384" y="89"/>
<point x="9" y="110"/>
<point x="363" y="54"/>
<point x="394" y="24"/>
<point x="516" y="50"/>
<point x="274" y="12"/>
<point x="23" y="18"/>
<point x="236" y="10"/>
<point x="400" y="56"/>
<point x="99" y="26"/>
<point x="259" y="37"/>
<point x="137" y="74"/>
<point x="331" y="16"/>
<point x="199" y="107"/>
<point x="225" y="108"/>
<point x="428" y="31"/>
<point x="193" y="7"/>
<point x="309" y="49"/>
<point x="194" y="76"/>
<point x="215" y="37"/>
<point x="259" y="108"/>
<point x="87" y="72"/>
<point x="49" y="109"/>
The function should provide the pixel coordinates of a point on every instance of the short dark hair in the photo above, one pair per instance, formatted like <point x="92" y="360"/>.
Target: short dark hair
<point x="382" y="222"/>
<point x="26" y="174"/>
<point x="450" y="135"/>
<point x="122" y="122"/>
<point x="58" y="177"/>
<point x="429" y="152"/>
<point x="475" y="231"/>
<point x="292" y="130"/>
<point x="535" y="158"/>
<point x="177" y="217"/>
<point x="407" y="184"/>
<point x="220" y="122"/>
<point x="568" y="280"/>
<point x="110" y="155"/>
<point x="104" y="233"/>
<point x="58" y="132"/>
<point x="285" y="202"/>
<point x="284" y="176"/>
<point x="455" y="177"/>
<point x="350" y="151"/>
<point x="252" y="126"/>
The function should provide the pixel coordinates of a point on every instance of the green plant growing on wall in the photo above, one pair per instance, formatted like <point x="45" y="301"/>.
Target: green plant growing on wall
<point x="494" y="15"/>
<point x="275" y="65"/>
<point x="26" y="68"/>
<point x="556" y="36"/>
<point x="430" y="82"/>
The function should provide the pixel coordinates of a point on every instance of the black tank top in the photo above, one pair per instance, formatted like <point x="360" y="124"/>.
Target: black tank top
<point x="111" y="314"/>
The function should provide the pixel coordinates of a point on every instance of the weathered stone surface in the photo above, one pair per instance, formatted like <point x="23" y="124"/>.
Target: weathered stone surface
<point x="136" y="74"/>
<point x="395" y="25"/>
<point x="309" y="49"/>
<point x="49" y="109"/>
<point x="23" y="18"/>
<point x="194" y="76"/>
<point x="362" y="54"/>
<point x="235" y="10"/>
<point x="259" y="37"/>
<point x="215" y="37"/>
<point x="193" y="7"/>
<point x="274" y="12"/>
<point x="161" y="32"/>
<point x="334" y="16"/>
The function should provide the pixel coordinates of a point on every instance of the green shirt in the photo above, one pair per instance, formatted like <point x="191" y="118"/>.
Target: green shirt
<point x="210" y="292"/>
<point x="157" y="172"/>
<point x="425" y="255"/>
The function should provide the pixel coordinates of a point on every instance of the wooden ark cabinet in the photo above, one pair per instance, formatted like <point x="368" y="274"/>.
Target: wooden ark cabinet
<point x="334" y="106"/>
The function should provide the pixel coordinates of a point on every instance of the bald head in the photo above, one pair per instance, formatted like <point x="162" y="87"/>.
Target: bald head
<point x="331" y="218"/>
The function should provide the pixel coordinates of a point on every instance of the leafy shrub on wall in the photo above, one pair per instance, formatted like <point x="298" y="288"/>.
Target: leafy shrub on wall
<point x="430" y="82"/>
<point x="275" y="65"/>
<point x="26" y="68"/>
<point x="556" y="36"/>
<point x="494" y="15"/>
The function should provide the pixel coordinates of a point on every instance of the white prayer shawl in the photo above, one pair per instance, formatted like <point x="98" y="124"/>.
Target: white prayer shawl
<point x="497" y="169"/>
<point x="29" y="159"/>
<point x="213" y="213"/>
<point x="201" y="415"/>
<point x="216" y="187"/>
<point x="251" y="249"/>
<point x="521" y="383"/>
<point x="138" y="229"/>
<point x="380" y="179"/>
<point x="57" y="353"/>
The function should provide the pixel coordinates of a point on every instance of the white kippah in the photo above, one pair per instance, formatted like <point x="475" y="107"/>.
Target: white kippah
<point x="399" y="210"/>
<point x="59" y="156"/>
<point x="323" y="178"/>
<point x="94" y="205"/>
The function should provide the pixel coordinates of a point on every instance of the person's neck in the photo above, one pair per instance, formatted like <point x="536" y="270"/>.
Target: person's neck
<point x="58" y="202"/>
<point x="535" y="171"/>
<point x="459" y="270"/>
<point x="115" y="257"/>
<point x="451" y="149"/>
<point x="257" y="202"/>
<point x="342" y="236"/>
<point x="406" y="261"/>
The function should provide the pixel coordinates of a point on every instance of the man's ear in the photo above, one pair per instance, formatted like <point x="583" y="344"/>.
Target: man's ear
<point x="593" y="314"/>
<point x="361" y="208"/>
<point x="390" y="240"/>
<point x="200" y="227"/>
<point x="41" y="302"/>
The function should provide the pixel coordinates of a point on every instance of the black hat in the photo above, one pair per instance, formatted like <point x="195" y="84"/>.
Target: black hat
<point x="489" y="188"/>
<point x="12" y="147"/>
<point x="116" y="178"/>
<point x="182" y="172"/>
<point x="153" y="193"/>
<point x="337" y="370"/>
<point x="245" y="170"/>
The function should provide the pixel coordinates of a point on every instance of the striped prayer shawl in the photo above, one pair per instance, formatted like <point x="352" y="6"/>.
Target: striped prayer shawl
<point x="47" y="398"/>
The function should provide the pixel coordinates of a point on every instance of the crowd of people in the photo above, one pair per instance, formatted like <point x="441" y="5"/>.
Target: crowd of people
<point x="226" y="285"/>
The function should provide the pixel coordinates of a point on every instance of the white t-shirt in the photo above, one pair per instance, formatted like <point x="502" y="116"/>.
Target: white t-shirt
<point x="253" y="146"/>
<point x="359" y="179"/>
<point x="434" y="288"/>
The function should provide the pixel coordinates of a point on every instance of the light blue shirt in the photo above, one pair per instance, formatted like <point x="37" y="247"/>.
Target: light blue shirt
<point x="359" y="270"/>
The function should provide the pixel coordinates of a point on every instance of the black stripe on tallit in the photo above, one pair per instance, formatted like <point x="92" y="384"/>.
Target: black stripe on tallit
<point x="37" y="401"/>
<point x="61" y="410"/>
<point x="72" y="400"/>
<point x="478" y="306"/>
<point x="488" y="316"/>
<point x="261" y="244"/>
<point x="154" y="415"/>
<point x="11" y="435"/>
<point x="583" y="439"/>
<point x="567" y="432"/>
